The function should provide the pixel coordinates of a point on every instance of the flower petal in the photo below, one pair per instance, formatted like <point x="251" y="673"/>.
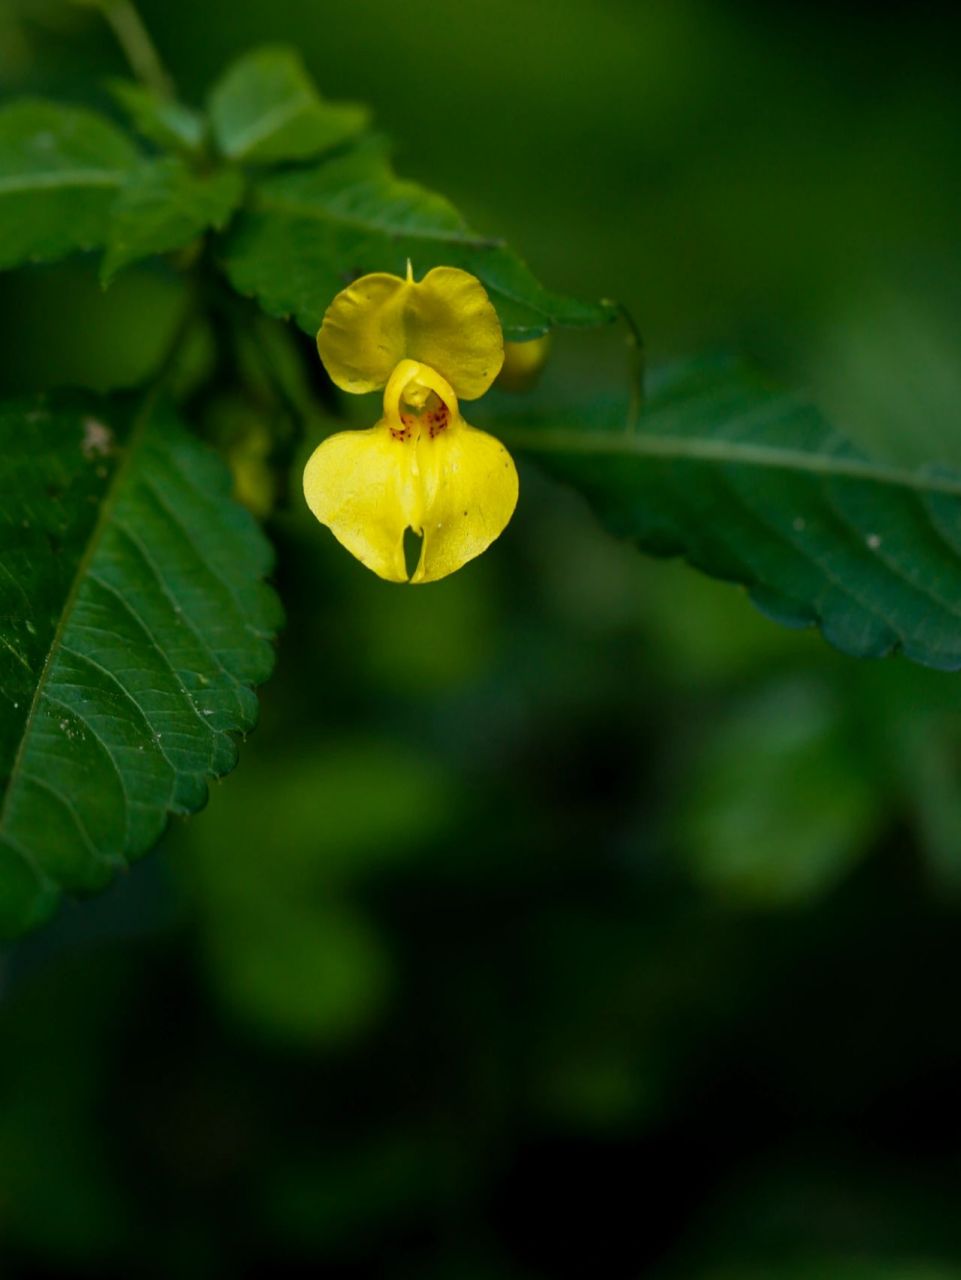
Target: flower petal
<point x="446" y="321"/>
<point x="359" y="484"/>
<point x="468" y="494"/>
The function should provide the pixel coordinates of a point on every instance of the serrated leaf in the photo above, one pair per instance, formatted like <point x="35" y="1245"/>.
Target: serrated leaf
<point x="168" y="123"/>
<point x="266" y="108"/>
<point x="750" y="484"/>
<point x="60" y="171"/>
<point x="310" y="232"/>
<point x="165" y="206"/>
<point x="134" y="622"/>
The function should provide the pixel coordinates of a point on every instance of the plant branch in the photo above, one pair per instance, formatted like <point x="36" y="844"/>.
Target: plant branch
<point x="140" y="50"/>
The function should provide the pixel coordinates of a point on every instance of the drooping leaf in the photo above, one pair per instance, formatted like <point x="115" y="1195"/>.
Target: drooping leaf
<point x="168" y="123"/>
<point x="163" y="207"/>
<point x="60" y="171"/>
<point x="266" y="109"/>
<point x="750" y="484"/>
<point x="134" y="622"/>
<point x="310" y="232"/>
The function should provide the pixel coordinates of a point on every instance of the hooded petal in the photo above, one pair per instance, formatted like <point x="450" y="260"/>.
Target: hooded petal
<point x="468" y="492"/>
<point x="359" y="484"/>
<point x="445" y="321"/>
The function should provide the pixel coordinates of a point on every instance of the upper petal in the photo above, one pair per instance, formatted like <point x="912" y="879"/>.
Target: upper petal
<point x="445" y="320"/>
<point x="359" y="484"/>
<point x="468" y="492"/>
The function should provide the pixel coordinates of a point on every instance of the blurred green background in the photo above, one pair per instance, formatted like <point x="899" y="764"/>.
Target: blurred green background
<point x="565" y="918"/>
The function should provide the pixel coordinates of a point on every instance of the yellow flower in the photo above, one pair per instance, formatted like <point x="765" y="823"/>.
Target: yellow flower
<point x="428" y="343"/>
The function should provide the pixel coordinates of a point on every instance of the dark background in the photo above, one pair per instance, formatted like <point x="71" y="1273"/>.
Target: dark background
<point x="565" y="918"/>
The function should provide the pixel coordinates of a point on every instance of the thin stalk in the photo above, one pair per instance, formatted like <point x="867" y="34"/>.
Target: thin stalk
<point x="637" y="364"/>
<point x="140" y="50"/>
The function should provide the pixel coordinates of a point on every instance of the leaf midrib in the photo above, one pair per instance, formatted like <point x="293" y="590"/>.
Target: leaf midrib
<point x="641" y="444"/>
<point x="48" y="180"/>
<point x="262" y="126"/>
<point x="323" y="213"/>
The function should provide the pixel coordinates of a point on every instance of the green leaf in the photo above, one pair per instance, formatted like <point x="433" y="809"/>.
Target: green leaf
<point x="312" y="231"/>
<point x="60" y="171"/>
<point x="266" y="109"/>
<point x="133" y="624"/>
<point x="165" y="206"/>
<point x="750" y="484"/>
<point x="167" y="123"/>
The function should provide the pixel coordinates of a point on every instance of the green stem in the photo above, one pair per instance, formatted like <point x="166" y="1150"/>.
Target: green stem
<point x="175" y="347"/>
<point x="637" y="364"/>
<point x="140" y="50"/>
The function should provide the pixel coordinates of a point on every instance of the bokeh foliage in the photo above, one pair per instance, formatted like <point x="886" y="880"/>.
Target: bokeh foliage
<point x="609" y="928"/>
